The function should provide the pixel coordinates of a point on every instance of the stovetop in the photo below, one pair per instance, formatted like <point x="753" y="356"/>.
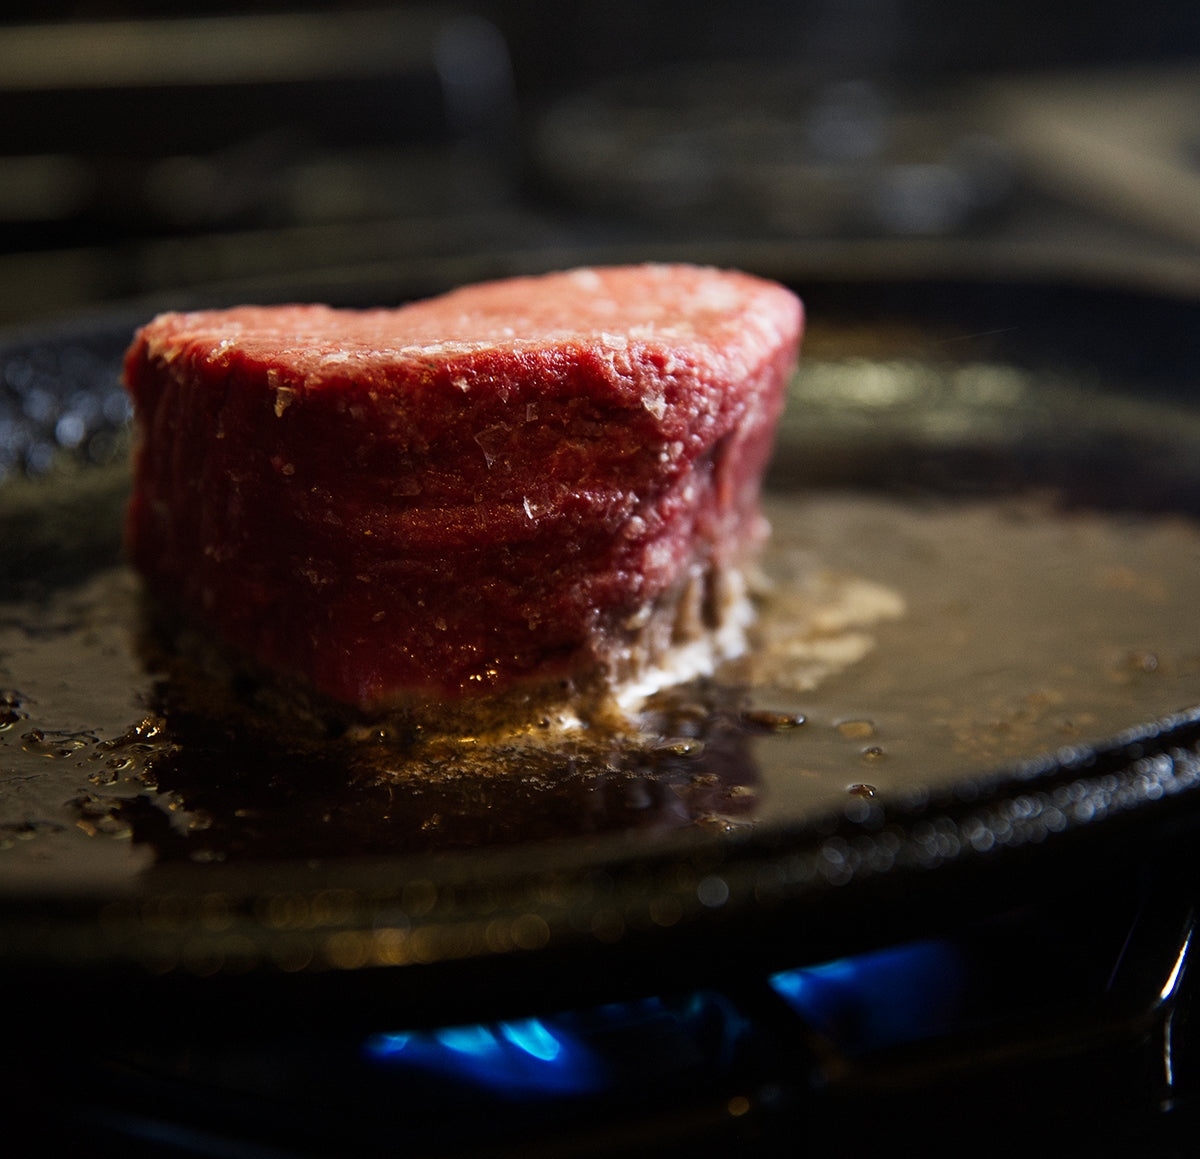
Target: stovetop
<point x="199" y="976"/>
<point x="869" y="973"/>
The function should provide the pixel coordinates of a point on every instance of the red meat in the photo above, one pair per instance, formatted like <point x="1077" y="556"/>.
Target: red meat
<point x="497" y="487"/>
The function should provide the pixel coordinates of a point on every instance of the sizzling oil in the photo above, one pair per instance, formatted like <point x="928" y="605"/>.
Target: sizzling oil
<point x="901" y="645"/>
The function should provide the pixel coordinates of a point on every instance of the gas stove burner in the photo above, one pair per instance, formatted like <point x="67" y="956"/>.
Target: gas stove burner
<point x="1080" y="1010"/>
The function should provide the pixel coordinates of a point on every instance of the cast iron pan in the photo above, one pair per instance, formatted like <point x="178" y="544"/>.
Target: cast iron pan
<point x="158" y="858"/>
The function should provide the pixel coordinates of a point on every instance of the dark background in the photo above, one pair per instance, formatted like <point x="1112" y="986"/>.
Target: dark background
<point x="150" y="151"/>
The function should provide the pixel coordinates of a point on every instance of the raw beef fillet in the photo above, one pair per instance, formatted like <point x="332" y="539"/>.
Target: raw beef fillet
<point x="545" y="483"/>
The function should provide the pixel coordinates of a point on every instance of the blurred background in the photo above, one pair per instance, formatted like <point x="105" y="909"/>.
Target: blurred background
<point x="177" y="153"/>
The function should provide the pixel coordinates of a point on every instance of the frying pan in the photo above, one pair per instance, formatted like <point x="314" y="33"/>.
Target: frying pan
<point x="158" y="858"/>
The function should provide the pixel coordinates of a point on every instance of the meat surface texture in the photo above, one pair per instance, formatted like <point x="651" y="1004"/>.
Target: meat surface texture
<point x="500" y="488"/>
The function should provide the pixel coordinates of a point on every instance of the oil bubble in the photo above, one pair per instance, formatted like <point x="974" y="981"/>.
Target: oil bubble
<point x="856" y="729"/>
<point x="680" y="747"/>
<point x="771" y="720"/>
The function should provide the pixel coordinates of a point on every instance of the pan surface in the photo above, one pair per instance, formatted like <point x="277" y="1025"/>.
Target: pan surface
<point x="977" y="668"/>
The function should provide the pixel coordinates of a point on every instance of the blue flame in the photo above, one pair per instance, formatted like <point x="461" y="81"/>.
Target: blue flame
<point x="533" y="1037"/>
<point x="516" y="1058"/>
<point x="625" y="1044"/>
<point x="860" y="1003"/>
<point x="879" y="999"/>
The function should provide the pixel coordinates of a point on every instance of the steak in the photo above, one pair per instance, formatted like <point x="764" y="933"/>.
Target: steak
<point x="543" y="483"/>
